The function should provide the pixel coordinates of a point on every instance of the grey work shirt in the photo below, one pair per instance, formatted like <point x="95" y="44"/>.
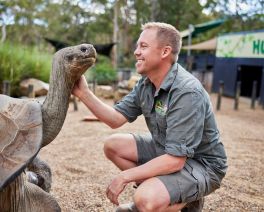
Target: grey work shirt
<point x="179" y="117"/>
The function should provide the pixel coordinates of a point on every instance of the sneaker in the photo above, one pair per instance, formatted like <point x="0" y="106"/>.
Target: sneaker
<point x="129" y="207"/>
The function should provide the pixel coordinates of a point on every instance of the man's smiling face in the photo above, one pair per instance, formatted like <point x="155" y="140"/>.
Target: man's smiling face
<point x="148" y="52"/>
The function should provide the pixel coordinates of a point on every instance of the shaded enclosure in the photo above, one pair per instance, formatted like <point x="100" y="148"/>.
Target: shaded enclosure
<point x="247" y="75"/>
<point x="246" y="70"/>
<point x="240" y="57"/>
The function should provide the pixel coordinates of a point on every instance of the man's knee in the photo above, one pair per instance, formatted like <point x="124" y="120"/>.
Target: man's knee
<point x="148" y="202"/>
<point x="119" y="144"/>
<point x="111" y="144"/>
<point x="143" y="203"/>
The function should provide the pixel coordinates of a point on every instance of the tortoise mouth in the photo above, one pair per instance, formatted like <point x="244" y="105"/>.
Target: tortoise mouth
<point x="89" y="61"/>
<point x="80" y="59"/>
<point x="90" y="55"/>
<point x="89" y="58"/>
<point x="82" y="64"/>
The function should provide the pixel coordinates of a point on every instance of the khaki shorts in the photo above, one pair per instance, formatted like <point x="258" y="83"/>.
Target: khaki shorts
<point x="189" y="184"/>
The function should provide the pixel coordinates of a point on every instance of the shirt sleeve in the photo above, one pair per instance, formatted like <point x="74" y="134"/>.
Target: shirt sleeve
<point x="129" y="106"/>
<point x="185" y="123"/>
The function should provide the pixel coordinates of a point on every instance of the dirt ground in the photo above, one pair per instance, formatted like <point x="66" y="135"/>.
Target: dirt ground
<point x="81" y="172"/>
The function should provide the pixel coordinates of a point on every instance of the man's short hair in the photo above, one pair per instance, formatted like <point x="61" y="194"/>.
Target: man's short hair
<point x="167" y="35"/>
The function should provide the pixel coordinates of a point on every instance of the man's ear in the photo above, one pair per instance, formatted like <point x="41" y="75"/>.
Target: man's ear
<point x="166" y="51"/>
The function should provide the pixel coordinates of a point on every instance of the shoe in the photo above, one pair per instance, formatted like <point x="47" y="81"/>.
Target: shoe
<point x="129" y="207"/>
<point x="196" y="206"/>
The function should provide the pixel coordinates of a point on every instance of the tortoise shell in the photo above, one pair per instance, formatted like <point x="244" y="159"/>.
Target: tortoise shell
<point x="20" y="136"/>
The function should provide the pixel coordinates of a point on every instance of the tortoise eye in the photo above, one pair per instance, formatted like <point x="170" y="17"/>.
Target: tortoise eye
<point x="84" y="49"/>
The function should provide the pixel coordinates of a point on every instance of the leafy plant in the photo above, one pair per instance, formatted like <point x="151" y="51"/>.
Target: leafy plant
<point x="18" y="62"/>
<point x="103" y="72"/>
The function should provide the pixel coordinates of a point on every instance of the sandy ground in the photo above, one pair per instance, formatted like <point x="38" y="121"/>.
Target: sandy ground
<point x="81" y="172"/>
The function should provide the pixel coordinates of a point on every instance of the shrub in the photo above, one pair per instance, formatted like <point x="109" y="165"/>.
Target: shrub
<point x="19" y="62"/>
<point x="102" y="72"/>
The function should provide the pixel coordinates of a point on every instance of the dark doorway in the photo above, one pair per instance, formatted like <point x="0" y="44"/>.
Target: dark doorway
<point x="247" y="75"/>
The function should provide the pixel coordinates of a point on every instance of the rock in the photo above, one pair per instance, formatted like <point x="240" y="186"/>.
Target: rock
<point x="105" y="91"/>
<point x="125" y="86"/>
<point x="40" y="88"/>
<point x="133" y="81"/>
<point x="120" y="93"/>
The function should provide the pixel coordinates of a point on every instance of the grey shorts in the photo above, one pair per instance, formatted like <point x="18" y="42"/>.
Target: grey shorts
<point x="191" y="183"/>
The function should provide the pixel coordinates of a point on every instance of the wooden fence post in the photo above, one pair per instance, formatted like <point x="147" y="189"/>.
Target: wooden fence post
<point x="220" y="93"/>
<point x="94" y="86"/>
<point x="6" y="88"/>
<point x="31" y="93"/>
<point x="237" y="95"/>
<point x="75" y="105"/>
<point x="254" y="94"/>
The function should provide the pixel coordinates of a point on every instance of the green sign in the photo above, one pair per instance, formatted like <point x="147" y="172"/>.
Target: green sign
<point x="248" y="45"/>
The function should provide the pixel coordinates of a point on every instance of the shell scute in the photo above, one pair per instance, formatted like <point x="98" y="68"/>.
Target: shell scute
<point x="20" y="136"/>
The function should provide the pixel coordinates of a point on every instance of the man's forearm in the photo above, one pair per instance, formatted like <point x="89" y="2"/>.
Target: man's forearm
<point x="103" y="111"/>
<point x="161" y="165"/>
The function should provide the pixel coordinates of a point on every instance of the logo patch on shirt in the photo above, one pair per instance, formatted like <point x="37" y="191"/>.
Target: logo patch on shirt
<point x="160" y="108"/>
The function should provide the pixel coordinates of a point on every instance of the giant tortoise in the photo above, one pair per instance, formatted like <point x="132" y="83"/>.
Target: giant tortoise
<point x="28" y="125"/>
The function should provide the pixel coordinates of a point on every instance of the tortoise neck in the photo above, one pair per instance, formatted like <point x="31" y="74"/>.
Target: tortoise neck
<point x="55" y="106"/>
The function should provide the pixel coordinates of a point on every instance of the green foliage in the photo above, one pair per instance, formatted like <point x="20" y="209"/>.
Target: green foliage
<point x="103" y="72"/>
<point x="79" y="21"/>
<point x="19" y="62"/>
<point x="244" y="15"/>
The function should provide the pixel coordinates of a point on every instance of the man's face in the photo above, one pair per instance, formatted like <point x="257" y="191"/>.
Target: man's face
<point x="148" y="52"/>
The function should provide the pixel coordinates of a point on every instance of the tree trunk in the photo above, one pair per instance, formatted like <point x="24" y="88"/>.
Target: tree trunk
<point x="3" y="33"/>
<point x="115" y="33"/>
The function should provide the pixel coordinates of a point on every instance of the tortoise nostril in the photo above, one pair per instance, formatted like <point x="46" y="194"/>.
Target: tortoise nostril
<point x="84" y="49"/>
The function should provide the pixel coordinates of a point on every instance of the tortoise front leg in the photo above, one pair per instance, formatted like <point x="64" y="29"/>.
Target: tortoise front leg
<point x="21" y="196"/>
<point x="39" y="173"/>
<point x="37" y="200"/>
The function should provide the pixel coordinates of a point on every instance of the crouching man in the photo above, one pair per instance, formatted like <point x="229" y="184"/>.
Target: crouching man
<point x="181" y="159"/>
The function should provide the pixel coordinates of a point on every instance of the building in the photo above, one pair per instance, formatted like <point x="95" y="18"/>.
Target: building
<point x="240" y="57"/>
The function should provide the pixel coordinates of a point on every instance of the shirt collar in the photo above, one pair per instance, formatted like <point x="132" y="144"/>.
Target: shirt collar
<point x="169" y="79"/>
<point x="146" y="81"/>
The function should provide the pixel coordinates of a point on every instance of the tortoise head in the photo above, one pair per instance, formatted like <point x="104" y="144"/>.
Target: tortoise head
<point x="74" y="60"/>
<point x="67" y="67"/>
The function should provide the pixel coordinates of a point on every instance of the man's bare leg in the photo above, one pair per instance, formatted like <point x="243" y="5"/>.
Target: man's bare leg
<point x="152" y="195"/>
<point x="121" y="149"/>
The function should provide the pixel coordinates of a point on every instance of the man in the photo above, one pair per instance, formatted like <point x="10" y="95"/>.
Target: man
<point x="182" y="159"/>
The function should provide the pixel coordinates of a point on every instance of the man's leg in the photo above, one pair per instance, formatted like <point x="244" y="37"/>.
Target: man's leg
<point x="152" y="195"/>
<point x="121" y="149"/>
<point x="187" y="185"/>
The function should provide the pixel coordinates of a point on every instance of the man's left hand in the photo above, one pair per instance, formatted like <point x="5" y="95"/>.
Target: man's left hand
<point x="115" y="188"/>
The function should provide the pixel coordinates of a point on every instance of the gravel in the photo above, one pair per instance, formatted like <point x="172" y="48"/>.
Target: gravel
<point x="81" y="172"/>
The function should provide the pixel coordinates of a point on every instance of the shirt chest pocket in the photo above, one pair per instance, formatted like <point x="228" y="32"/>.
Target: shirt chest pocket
<point x="161" y="122"/>
<point x="161" y="126"/>
<point x="150" y="119"/>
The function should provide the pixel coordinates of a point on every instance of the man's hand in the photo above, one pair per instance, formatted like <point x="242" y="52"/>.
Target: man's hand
<point x="80" y="87"/>
<point x="115" y="188"/>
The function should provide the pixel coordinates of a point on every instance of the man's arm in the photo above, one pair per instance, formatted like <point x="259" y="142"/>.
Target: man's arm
<point x="104" y="112"/>
<point x="164" y="164"/>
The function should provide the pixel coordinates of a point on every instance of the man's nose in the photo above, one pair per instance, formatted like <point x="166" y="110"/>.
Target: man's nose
<point x="136" y="52"/>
